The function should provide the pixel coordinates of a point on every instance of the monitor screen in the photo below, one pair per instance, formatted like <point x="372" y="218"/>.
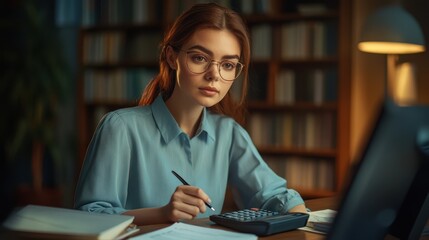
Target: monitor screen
<point x="395" y="155"/>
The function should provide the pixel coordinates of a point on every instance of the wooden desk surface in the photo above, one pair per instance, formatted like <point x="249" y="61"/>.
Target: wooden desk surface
<point x="314" y="204"/>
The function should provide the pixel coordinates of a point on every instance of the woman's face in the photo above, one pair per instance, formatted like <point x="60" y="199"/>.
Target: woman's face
<point x="196" y="84"/>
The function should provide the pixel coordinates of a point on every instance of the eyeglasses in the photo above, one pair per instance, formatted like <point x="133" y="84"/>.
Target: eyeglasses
<point x="198" y="63"/>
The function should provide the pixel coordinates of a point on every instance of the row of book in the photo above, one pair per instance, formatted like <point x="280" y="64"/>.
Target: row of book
<point x="115" y="12"/>
<point x="262" y="41"/>
<point x="116" y="85"/>
<point x="305" y="173"/>
<point x="245" y="7"/>
<point x="257" y="7"/>
<point x="299" y="40"/>
<point x="307" y="130"/>
<point x="313" y="85"/>
<point x="115" y="47"/>
<point x="309" y="39"/>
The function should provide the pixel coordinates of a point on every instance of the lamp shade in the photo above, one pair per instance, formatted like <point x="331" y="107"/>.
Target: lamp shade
<point x="391" y="30"/>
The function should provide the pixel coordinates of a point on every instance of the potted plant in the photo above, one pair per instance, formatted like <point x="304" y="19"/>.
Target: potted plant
<point x="33" y="82"/>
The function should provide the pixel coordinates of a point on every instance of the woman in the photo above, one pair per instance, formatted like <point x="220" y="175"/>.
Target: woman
<point x="185" y="123"/>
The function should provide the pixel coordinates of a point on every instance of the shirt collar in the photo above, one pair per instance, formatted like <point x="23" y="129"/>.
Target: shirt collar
<point x="207" y="125"/>
<point x="169" y="128"/>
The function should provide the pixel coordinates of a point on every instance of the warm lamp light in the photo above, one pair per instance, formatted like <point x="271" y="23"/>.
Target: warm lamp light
<point x="406" y="89"/>
<point x="392" y="30"/>
<point x="390" y="47"/>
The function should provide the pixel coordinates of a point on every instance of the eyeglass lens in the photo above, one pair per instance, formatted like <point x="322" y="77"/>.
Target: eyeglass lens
<point x="200" y="63"/>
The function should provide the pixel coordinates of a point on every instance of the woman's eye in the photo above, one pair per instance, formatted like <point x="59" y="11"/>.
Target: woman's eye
<point x="199" y="59"/>
<point x="228" y="66"/>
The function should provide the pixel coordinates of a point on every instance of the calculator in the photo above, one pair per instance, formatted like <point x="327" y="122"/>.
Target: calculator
<point x="260" y="221"/>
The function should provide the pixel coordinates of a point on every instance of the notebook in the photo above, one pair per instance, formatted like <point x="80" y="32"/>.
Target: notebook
<point x="62" y="223"/>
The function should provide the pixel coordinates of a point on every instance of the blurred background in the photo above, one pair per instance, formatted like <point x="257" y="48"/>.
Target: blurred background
<point x="48" y="113"/>
<point x="38" y="89"/>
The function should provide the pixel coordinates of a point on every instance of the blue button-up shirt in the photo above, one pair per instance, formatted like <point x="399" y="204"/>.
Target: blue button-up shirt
<point x="129" y="161"/>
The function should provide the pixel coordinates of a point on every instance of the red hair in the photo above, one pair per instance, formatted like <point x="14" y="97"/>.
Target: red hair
<point x="213" y="16"/>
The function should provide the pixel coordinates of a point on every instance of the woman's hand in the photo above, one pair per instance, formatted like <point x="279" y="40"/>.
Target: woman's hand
<point x="186" y="203"/>
<point x="299" y="208"/>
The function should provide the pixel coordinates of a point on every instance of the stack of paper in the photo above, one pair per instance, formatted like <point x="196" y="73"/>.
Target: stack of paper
<point x="192" y="232"/>
<point x="320" y="221"/>
<point x="62" y="223"/>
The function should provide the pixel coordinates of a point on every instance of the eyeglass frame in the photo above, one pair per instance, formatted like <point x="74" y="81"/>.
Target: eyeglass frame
<point x="209" y="63"/>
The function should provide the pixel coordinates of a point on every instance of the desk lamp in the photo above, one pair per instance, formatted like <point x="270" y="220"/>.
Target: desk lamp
<point x="391" y="30"/>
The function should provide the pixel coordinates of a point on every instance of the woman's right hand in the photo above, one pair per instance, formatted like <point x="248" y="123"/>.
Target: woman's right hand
<point x="186" y="203"/>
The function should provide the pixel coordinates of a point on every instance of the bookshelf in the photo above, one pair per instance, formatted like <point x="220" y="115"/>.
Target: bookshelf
<point x="298" y="106"/>
<point x="117" y="57"/>
<point x="300" y="78"/>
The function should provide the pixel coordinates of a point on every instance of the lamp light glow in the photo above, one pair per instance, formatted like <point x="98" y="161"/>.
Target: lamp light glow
<point x="390" y="47"/>
<point x="391" y="30"/>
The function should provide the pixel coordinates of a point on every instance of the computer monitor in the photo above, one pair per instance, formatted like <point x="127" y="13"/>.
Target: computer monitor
<point x="390" y="180"/>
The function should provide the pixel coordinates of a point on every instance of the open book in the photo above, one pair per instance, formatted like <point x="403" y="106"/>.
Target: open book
<point x="62" y="223"/>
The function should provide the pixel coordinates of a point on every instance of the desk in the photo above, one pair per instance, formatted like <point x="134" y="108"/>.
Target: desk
<point x="314" y="204"/>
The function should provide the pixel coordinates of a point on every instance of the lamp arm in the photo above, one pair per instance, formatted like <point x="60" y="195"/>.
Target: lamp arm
<point x="390" y="83"/>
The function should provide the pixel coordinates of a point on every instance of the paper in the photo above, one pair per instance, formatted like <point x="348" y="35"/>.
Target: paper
<point x="320" y="221"/>
<point x="128" y="232"/>
<point x="192" y="232"/>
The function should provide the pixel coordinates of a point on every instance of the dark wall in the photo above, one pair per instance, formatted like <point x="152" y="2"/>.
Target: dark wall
<point x="60" y="19"/>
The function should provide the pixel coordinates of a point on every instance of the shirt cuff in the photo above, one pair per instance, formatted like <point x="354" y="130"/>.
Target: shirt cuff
<point x="101" y="207"/>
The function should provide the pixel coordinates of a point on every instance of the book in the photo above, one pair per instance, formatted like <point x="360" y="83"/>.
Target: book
<point x="262" y="41"/>
<point x="63" y="223"/>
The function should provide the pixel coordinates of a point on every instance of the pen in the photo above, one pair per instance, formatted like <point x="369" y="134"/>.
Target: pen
<point x="185" y="183"/>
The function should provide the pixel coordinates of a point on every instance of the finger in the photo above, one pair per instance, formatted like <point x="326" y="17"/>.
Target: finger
<point x="183" y="210"/>
<point x="196" y="202"/>
<point x="177" y="215"/>
<point x="197" y="192"/>
<point x="182" y="195"/>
